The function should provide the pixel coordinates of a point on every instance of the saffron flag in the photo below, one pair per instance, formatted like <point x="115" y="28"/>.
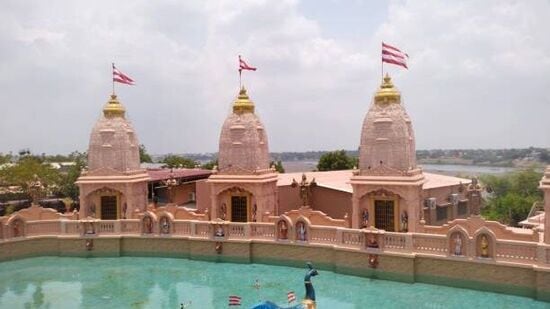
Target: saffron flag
<point x="234" y="300"/>
<point x="120" y="77"/>
<point x="244" y="66"/>
<point x="394" y="55"/>
<point x="291" y="296"/>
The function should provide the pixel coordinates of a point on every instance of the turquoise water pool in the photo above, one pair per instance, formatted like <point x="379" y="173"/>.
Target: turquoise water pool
<point x="135" y="282"/>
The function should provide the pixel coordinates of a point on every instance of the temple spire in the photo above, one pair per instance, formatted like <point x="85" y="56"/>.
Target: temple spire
<point x="387" y="92"/>
<point x="114" y="108"/>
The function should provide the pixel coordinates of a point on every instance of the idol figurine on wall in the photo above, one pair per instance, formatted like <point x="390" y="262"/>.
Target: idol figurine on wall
<point x="365" y="216"/>
<point x="484" y="246"/>
<point x="147" y="225"/>
<point x="301" y="233"/>
<point x="283" y="230"/>
<point x="164" y="225"/>
<point x="219" y="231"/>
<point x="404" y="221"/>
<point x="223" y="211"/>
<point x="458" y="244"/>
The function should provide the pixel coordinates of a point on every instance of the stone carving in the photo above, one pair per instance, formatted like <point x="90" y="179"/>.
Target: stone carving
<point x="89" y="244"/>
<point x="305" y="188"/>
<point x="301" y="231"/>
<point x="223" y="211"/>
<point x="457" y="244"/>
<point x="474" y="196"/>
<point x="164" y="225"/>
<point x="383" y="170"/>
<point x="219" y="247"/>
<point x="219" y="232"/>
<point x="404" y="221"/>
<point x="124" y="209"/>
<point x="365" y="217"/>
<point x="147" y="225"/>
<point x="484" y="246"/>
<point x="91" y="210"/>
<point x="283" y="229"/>
<point x="89" y="228"/>
<point x="372" y="240"/>
<point x="254" y="211"/>
<point x="17" y="228"/>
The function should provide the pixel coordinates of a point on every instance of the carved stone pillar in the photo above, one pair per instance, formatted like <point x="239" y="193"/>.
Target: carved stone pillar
<point x="355" y="213"/>
<point x="545" y="187"/>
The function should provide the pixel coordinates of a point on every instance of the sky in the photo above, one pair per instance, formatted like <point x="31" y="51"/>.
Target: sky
<point x="479" y="71"/>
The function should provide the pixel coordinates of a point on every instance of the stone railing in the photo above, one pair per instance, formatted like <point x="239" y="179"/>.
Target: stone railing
<point x="497" y="250"/>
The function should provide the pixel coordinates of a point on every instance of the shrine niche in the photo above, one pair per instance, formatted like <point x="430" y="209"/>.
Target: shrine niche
<point x="485" y="244"/>
<point x="301" y="229"/>
<point x="147" y="223"/>
<point x="283" y="227"/>
<point x="165" y="223"/>
<point x="458" y="241"/>
<point x="17" y="227"/>
<point x="236" y="204"/>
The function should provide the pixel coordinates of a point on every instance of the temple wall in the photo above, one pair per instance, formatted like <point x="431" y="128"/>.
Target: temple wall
<point x="334" y="203"/>
<point x="289" y="199"/>
<point x="511" y="279"/>
<point x="203" y="195"/>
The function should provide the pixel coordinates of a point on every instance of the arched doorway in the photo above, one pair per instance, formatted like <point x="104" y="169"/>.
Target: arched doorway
<point x="236" y="205"/>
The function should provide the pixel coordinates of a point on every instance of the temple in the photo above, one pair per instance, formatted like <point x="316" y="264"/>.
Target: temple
<point x="386" y="218"/>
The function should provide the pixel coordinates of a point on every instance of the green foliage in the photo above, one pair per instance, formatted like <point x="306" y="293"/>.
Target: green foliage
<point x="210" y="165"/>
<point x="175" y="161"/>
<point x="144" y="157"/>
<point x="513" y="196"/>
<point x="22" y="173"/>
<point x="336" y="160"/>
<point x="278" y="166"/>
<point x="5" y="158"/>
<point x="68" y="187"/>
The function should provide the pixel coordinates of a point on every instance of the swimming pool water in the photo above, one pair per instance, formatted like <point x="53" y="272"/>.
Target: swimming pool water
<point x="138" y="282"/>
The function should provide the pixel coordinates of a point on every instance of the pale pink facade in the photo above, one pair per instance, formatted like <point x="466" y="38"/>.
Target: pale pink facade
<point x="545" y="187"/>
<point x="244" y="188"/>
<point x="114" y="186"/>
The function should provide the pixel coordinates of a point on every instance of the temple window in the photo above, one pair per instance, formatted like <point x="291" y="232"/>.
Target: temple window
<point x="441" y="213"/>
<point x="384" y="215"/>
<point x="462" y="208"/>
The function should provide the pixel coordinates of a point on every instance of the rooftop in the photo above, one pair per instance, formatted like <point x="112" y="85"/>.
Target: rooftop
<point x="166" y="173"/>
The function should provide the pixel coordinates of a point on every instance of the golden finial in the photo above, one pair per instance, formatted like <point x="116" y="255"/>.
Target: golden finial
<point x="387" y="92"/>
<point x="113" y="108"/>
<point x="243" y="104"/>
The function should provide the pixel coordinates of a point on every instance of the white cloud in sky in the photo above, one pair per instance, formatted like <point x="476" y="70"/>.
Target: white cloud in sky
<point x="479" y="71"/>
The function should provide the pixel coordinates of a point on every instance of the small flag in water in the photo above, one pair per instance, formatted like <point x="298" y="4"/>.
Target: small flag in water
<point x="394" y="55"/>
<point x="244" y="66"/>
<point x="120" y="77"/>
<point x="291" y="296"/>
<point x="234" y="300"/>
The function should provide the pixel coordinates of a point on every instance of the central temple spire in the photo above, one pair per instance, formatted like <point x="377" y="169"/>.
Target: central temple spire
<point x="243" y="104"/>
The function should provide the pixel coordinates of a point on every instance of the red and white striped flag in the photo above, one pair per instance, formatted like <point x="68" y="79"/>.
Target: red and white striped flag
<point x="122" y="78"/>
<point x="244" y="66"/>
<point x="291" y="296"/>
<point x="234" y="300"/>
<point x="394" y="55"/>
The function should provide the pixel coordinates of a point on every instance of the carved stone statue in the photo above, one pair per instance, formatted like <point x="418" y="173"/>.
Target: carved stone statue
<point x="305" y="188"/>
<point x="372" y="241"/>
<point x="283" y="230"/>
<point x="147" y="225"/>
<point x="404" y="221"/>
<point x="124" y="209"/>
<point x="301" y="232"/>
<point x="474" y="197"/>
<point x="92" y="210"/>
<point x="164" y="225"/>
<point x="223" y="211"/>
<point x="458" y="244"/>
<point x="365" y="216"/>
<point x="219" y="231"/>
<point x="484" y="246"/>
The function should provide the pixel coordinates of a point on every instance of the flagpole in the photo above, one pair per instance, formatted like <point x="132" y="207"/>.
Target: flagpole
<point x="112" y="74"/>
<point x="240" y="82"/>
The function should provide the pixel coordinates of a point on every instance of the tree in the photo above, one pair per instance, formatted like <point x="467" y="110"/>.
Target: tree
<point x="175" y="161"/>
<point x="5" y="158"/>
<point x="68" y="187"/>
<point x="144" y="157"/>
<point x="336" y="160"/>
<point x="278" y="166"/>
<point x="513" y="195"/>
<point x="210" y="165"/>
<point x="27" y="169"/>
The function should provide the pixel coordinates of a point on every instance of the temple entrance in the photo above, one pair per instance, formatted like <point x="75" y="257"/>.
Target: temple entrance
<point x="239" y="211"/>
<point x="109" y="207"/>
<point x="384" y="215"/>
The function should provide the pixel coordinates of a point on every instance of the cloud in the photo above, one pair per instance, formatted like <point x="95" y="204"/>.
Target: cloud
<point x="480" y="68"/>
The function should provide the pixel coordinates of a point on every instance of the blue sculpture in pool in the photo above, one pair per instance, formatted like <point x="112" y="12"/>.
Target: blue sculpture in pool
<point x="309" y="299"/>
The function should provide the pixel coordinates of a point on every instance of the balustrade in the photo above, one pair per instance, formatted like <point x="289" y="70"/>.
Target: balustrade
<point x="395" y="241"/>
<point x="326" y="235"/>
<point x="430" y="243"/>
<point x="45" y="227"/>
<point x="506" y="250"/>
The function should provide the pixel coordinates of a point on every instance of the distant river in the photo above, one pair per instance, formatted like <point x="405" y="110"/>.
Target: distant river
<point x="447" y="169"/>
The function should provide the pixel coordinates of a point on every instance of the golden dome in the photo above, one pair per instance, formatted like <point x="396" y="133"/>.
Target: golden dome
<point x="113" y="108"/>
<point x="243" y="104"/>
<point x="387" y="92"/>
